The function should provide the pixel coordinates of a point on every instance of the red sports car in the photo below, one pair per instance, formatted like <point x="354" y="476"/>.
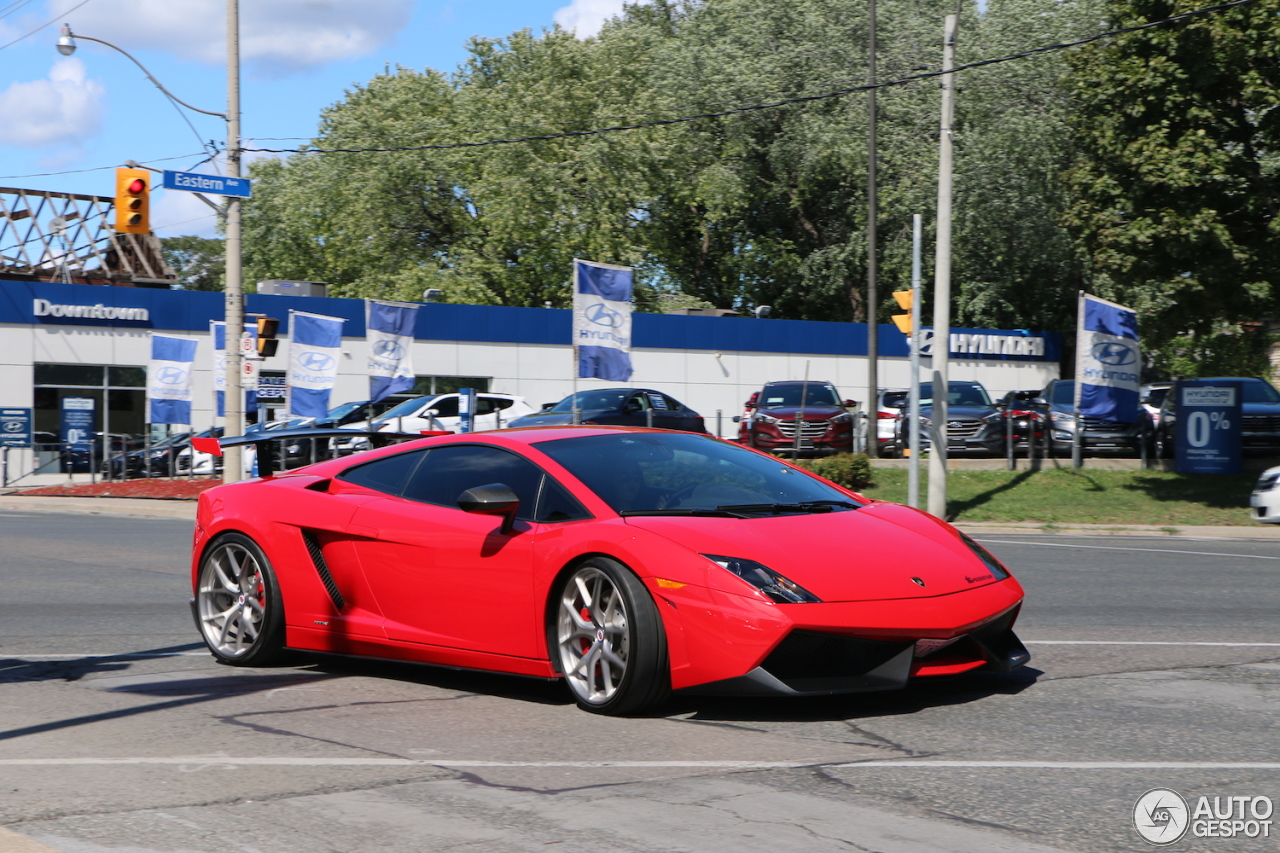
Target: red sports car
<point x="628" y="562"/>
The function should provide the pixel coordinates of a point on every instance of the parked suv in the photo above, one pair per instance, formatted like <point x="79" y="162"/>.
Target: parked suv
<point x="1059" y="401"/>
<point x="1259" y="416"/>
<point x="775" y="412"/>
<point x="974" y="422"/>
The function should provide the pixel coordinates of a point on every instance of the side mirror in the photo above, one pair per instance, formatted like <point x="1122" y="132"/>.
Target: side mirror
<point x="631" y="407"/>
<point x="493" y="499"/>
<point x="737" y="419"/>
<point x="546" y="406"/>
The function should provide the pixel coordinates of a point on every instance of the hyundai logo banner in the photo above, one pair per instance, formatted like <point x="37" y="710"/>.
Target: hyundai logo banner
<point x="389" y="331"/>
<point x="169" y="379"/>
<point x="1108" y="361"/>
<point x="217" y="332"/>
<point x="315" y="345"/>
<point x="602" y="320"/>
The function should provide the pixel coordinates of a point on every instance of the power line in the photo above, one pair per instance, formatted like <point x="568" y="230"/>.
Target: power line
<point x="96" y="168"/>
<point x="800" y="99"/>
<point x="42" y="26"/>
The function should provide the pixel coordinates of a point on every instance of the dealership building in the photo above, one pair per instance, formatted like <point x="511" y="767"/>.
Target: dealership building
<point x="92" y="341"/>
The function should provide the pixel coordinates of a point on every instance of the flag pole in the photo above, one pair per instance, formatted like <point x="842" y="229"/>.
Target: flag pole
<point x="1077" y="434"/>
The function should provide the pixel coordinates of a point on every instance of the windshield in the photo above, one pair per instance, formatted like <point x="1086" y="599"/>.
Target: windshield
<point x="339" y="412"/>
<point x="590" y="401"/>
<point x="405" y="409"/>
<point x="958" y="394"/>
<point x="1064" y="394"/>
<point x="789" y="395"/>
<point x="686" y="474"/>
<point x="1257" y="391"/>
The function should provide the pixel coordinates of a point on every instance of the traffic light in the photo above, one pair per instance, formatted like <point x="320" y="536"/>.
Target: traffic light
<point x="133" y="201"/>
<point x="904" y="298"/>
<point x="267" y="343"/>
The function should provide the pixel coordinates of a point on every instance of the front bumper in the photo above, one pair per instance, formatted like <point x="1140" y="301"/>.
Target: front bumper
<point x="734" y="645"/>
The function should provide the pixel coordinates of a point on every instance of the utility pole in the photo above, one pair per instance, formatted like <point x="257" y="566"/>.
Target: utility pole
<point x="913" y="396"/>
<point x="873" y="296"/>
<point x="942" y="284"/>
<point x="232" y="460"/>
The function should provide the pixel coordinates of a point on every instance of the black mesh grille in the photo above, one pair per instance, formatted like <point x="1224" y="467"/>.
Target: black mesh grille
<point x="322" y="569"/>
<point x="808" y="654"/>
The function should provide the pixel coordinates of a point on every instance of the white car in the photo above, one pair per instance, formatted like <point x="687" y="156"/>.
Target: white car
<point x="1265" y="500"/>
<point x="438" y="412"/>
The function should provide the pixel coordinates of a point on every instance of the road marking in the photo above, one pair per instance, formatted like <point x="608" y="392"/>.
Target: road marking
<point x="1183" y="552"/>
<point x="1142" y="643"/>
<point x="902" y="763"/>
<point x="20" y="656"/>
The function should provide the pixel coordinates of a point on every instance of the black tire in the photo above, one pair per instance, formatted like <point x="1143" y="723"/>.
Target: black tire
<point x="238" y="606"/>
<point x="602" y="617"/>
<point x="1164" y="446"/>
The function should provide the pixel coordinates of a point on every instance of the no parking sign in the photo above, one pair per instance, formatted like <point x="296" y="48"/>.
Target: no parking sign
<point x="1207" y="436"/>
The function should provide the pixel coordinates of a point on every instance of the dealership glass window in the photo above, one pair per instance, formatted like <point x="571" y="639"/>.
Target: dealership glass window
<point x="123" y="388"/>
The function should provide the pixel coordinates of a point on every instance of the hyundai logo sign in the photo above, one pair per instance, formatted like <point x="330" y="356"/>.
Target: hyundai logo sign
<point x="388" y="350"/>
<point x="603" y="315"/>
<point x="316" y="361"/>
<point x="1115" y="354"/>
<point x="171" y="376"/>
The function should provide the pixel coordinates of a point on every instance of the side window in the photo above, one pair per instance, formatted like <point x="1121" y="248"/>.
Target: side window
<point x="388" y="474"/>
<point x="484" y="406"/>
<point x="449" y="471"/>
<point x="556" y="504"/>
<point x="445" y="408"/>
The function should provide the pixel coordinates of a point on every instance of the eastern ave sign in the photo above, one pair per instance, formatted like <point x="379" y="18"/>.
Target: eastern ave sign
<point x="194" y="182"/>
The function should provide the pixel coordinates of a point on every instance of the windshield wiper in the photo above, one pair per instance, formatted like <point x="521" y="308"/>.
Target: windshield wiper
<point x="718" y="512"/>
<point x="806" y="506"/>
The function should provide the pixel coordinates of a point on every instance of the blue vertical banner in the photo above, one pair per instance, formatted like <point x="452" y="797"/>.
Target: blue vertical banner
<point x="602" y="320"/>
<point x="1208" y="429"/>
<point x="1108" y="361"/>
<point x="389" y="333"/>
<point x="169" y="379"/>
<point x="218" y="333"/>
<point x="75" y="431"/>
<point x="315" y="345"/>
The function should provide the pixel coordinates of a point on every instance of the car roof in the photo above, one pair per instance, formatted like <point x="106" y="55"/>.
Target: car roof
<point x="798" y="382"/>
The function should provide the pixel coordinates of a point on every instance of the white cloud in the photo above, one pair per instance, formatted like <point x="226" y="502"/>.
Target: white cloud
<point x="62" y="110"/>
<point x="276" y="36"/>
<point x="586" y="17"/>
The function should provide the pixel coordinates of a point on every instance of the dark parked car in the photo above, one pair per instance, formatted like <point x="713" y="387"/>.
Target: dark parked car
<point x="974" y="422"/>
<point x="1259" y="410"/>
<point x="158" y="460"/>
<point x="1059" y="401"/>
<point x="815" y="409"/>
<point x="618" y="407"/>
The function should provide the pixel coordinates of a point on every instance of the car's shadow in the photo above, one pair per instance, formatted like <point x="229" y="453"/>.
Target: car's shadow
<point x="916" y="696"/>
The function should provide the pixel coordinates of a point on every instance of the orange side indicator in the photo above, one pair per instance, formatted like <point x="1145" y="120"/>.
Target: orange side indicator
<point x="666" y="584"/>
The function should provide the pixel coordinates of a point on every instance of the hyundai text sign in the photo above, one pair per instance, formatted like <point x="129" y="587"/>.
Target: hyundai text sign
<point x="1208" y="429"/>
<point x="194" y="182"/>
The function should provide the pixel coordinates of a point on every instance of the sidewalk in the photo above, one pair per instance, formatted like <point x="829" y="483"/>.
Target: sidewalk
<point x="187" y="510"/>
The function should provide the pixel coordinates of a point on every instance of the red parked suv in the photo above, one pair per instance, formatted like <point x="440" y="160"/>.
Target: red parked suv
<point x="775" y="412"/>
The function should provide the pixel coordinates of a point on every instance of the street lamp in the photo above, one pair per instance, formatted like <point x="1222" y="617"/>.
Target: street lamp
<point x="232" y="467"/>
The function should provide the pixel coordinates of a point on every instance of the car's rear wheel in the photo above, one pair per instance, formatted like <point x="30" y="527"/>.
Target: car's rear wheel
<point x="609" y="640"/>
<point x="238" y="605"/>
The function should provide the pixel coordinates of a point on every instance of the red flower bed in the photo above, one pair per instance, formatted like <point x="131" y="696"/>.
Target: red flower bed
<point x="181" y="490"/>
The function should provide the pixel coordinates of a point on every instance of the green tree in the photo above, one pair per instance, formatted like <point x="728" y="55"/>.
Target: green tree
<point x="200" y="262"/>
<point x="1175" y="187"/>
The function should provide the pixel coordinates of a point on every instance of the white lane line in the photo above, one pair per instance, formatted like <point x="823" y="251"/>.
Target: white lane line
<point x="1143" y="643"/>
<point x="904" y="763"/>
<point x="16" y="655"/>
<point x="1184" y="552"/>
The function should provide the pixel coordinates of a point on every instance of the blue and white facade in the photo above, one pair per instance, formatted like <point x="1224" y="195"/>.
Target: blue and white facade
<point x="709" y="363"/>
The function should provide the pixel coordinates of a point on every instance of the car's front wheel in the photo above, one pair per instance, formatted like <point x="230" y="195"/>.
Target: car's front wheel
<point x="609" y="640"/>
<point x="238" y="605"/>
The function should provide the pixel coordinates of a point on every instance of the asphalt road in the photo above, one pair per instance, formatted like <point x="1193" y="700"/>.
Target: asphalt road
<point x="1156" y="663"/>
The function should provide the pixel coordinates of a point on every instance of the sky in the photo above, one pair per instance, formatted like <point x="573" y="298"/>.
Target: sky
<point x="67" y="122"/>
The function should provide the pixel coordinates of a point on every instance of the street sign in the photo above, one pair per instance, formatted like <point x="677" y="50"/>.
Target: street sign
<point x="194" y="182"/>
<point x="15" y="427"/>
<point x="1207" y="432"/>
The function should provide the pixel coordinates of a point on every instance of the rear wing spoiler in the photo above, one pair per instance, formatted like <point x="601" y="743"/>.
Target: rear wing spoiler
<point x="262" y="441"/>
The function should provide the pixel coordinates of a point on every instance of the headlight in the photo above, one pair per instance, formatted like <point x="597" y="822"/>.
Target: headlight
<point x="766" y="580"/>
<point x="842" y="418"/>
<point x="767" y="419"/>
<point x="1267" y="481"/>
<point x="1066" y="420"/>
<point x="997" y="570"/>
